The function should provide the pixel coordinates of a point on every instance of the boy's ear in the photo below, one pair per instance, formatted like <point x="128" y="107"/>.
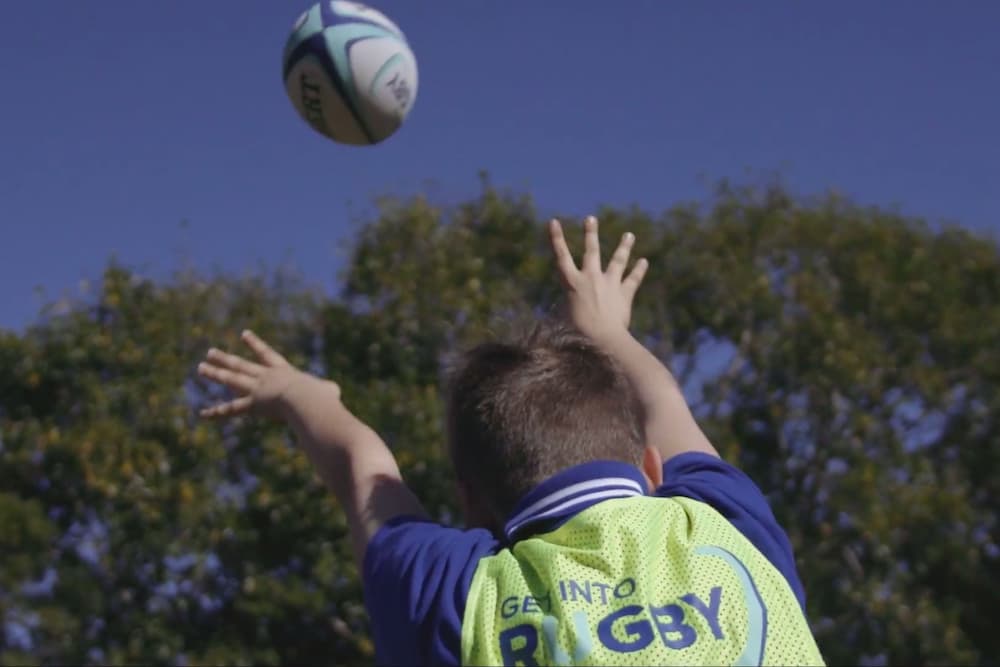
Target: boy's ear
<point x="652" y="467"/>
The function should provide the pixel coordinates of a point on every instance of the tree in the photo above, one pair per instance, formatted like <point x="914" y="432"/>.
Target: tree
<point x="842" y="356"/>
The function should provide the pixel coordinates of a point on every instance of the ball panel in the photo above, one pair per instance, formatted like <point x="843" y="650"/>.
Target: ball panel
<point x="384" y="71"/>
<point x="356" y="10"/>
<point x="320" y="104"/>
<point x="339" y="40"/>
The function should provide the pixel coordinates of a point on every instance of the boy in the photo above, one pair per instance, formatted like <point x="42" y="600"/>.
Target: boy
<point x="604" y="527"/>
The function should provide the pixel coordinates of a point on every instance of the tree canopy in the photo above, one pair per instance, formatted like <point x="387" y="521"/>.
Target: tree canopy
<point x="845" y="357"/>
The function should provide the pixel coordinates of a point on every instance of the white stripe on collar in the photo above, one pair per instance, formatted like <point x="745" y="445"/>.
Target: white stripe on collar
<point x="585" y="499"/>
<point x="596" y="489"/>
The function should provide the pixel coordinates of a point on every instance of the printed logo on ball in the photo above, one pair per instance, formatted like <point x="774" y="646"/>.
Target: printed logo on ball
<point x="312" y="104"/>
<point x="400" y="88"/>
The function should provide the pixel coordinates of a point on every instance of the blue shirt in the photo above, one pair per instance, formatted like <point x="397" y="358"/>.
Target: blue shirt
<point x="417" y="573"/>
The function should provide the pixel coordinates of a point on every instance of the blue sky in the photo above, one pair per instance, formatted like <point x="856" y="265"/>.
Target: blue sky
<point x="123" y="118"/>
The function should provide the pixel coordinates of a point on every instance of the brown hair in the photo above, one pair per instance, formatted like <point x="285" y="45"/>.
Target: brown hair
<point x="520" y="411"/>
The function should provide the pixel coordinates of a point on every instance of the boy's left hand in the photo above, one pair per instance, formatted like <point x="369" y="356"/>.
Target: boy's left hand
<point x="264" y="386"/>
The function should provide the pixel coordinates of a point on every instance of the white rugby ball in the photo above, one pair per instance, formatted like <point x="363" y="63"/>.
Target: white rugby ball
<point x="349" y="72"/>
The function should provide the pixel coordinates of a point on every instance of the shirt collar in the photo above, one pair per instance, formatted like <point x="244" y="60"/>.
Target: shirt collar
<point x="573" y="490"/>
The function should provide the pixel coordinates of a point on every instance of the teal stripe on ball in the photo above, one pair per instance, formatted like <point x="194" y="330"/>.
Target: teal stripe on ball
<point x="312" y="25"/>
<point x="354" y="11"/>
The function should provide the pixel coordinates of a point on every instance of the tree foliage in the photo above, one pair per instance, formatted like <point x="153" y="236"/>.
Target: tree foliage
<point x="845" y="357"/>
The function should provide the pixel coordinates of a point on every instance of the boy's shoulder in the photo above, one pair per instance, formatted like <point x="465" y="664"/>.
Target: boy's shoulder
<point x="730" y="492"/>
<point x="416" y="578"/>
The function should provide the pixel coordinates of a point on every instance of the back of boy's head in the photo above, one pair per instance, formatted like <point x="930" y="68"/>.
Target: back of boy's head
<point x="522" y="410"/>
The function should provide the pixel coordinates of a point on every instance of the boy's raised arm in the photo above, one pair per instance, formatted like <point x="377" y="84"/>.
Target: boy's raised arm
<point x="600" y="305"/>
<point x="351" y="458"/>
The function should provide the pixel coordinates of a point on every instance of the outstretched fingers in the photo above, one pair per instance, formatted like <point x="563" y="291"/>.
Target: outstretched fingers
<point x="564" y="258"/>
<point x="239" y="375"/>
<point x="592" y="257"/>
<point x="234" y="380"/>
<point x="634" y="279"/>
<point x="229" y="408"/>
<point x="234" y="363"/>
<point x="619" y="260"/>
<point x="591" y="246"/>
<point x="264" y="352"/>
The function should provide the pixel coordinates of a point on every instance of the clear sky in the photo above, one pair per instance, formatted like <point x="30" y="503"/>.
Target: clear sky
<point x="121" y="118"/>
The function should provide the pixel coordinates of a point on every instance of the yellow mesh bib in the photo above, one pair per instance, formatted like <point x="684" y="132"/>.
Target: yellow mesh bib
<point x="635" y="581"/>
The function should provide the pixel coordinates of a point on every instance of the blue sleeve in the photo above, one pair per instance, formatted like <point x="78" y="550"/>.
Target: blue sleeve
<point x="734" y="495"/>
<point x="416" y="579"/>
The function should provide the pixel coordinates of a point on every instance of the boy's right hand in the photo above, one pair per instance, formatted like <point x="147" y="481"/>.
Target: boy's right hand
<point x="600" y="305"/>
<point x="600" y="302"/>
<point x="265" y="385"/>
